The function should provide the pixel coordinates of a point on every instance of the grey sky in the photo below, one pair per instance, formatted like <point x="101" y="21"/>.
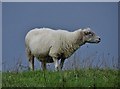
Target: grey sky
<point x="60" y="0"/>
<point x="0" y="44"/>
<point x="1" y="36"/>
<point x="19" y="18"/>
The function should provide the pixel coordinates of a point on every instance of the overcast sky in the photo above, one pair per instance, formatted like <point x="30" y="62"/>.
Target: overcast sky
<point x="19" y="18"/>
<point x="1" y="36"/>
<point x="60" y="0"/>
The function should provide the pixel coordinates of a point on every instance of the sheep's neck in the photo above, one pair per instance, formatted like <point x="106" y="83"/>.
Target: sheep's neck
<point x="77" y="39"/>
<point x="73" y="44"/>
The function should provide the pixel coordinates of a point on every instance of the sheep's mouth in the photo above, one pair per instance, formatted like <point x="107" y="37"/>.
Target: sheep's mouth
<point x="97" y="41"/>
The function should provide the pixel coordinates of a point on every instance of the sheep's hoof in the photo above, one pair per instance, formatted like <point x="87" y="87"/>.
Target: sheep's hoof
<point x="57" y="69"/>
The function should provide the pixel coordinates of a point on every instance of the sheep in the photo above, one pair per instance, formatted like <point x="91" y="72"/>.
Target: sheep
<point x="49" y="45"/>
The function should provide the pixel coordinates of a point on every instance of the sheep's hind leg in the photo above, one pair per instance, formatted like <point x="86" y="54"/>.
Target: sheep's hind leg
<point x="43" y="65"/>
<point x="30" y="59"/>
<point x="31" y="63"/>
<point x="61" y="63"/>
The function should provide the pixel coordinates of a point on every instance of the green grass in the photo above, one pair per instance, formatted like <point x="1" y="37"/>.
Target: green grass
<point x="68" y="78"/>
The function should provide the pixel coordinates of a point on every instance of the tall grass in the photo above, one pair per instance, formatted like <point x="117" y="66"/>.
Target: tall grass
<point x="91" y="71"/>
<point x="94" y="60"/>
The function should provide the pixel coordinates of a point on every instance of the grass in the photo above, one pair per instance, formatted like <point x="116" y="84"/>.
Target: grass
<point x="94" y="71"/>
<point x="68" y="78"/>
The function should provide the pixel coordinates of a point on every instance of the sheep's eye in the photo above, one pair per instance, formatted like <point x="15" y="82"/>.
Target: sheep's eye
<point x="90" y="34"/>
<point x="87" y="33"/>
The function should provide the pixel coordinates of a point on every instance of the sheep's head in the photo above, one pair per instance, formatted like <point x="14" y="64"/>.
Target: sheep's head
<point x="90" y="36"/>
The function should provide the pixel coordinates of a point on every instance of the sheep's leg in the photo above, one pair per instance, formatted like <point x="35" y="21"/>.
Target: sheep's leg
<point x="43" y="65"/>
<point x="61" y="63"/>
<point x="53" y="53"/>
<point x="56" y="62"/>
<point x="30" y="59"/>
<point x="31" y="63"/>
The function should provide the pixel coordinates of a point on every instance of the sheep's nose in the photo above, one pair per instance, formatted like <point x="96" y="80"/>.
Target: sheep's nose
<point x="99" y="39"/>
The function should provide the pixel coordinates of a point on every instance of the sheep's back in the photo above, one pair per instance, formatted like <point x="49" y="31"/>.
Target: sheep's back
<point x="41" y="40"/>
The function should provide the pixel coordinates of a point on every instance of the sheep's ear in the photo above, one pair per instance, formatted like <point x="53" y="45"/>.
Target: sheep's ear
<point x="79" y="29"/>
<point x="88" y="28"/>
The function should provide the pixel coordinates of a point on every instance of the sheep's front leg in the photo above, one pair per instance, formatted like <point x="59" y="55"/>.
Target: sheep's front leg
<point x="56" y="63"/>
<point x="61" y="63"/>
<point x="43" y="65"/>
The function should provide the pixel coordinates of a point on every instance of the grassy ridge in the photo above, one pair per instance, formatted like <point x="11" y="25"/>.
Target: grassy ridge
<point x="69" y="78"/>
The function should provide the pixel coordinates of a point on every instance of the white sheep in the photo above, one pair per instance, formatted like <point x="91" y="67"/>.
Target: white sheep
<point x="49" y="45"/>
